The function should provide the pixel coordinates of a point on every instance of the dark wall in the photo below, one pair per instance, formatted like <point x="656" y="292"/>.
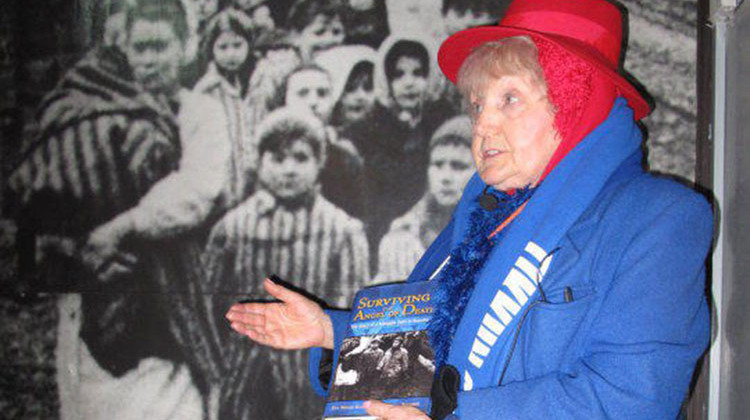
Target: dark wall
<point x="736" y="229"/>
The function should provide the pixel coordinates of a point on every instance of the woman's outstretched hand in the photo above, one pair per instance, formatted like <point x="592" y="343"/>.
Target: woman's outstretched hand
<point x="295" y="322"/>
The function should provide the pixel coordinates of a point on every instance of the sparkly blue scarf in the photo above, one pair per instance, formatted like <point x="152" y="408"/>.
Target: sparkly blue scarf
<point x="456" y="281"/>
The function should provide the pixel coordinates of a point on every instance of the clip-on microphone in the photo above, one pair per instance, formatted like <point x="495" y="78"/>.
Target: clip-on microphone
<point x="488" y="201"/>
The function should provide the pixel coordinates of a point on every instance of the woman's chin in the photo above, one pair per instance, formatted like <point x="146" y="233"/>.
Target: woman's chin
<point x="505" y="183"/>
<point x="497" y="182"/>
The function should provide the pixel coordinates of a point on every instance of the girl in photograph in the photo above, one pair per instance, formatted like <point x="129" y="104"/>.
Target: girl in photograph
<point x="351" y="69"/>
<point x="226" y="50"/>
<point x="394" y="141"/>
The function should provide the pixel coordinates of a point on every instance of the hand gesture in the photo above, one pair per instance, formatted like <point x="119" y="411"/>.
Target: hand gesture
<point x="385" y="411"/>
<point x="295" y="322"/>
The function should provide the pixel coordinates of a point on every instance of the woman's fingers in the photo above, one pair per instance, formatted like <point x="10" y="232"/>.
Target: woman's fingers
<point x="282" y="293"/>
<point x="385" y="411"/>
<point x="244" y="312"/>
<point x="376" y="408"/>
<point x="247" y="318"/>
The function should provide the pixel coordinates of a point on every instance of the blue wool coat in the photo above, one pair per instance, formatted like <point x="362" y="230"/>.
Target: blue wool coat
<point x="624" y="341"/>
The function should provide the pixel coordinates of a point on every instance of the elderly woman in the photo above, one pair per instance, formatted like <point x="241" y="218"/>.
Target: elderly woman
<point x="570" y="283"/>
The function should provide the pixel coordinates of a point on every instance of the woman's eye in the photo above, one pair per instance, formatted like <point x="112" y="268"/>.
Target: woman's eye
<point x="476" y="108"/>
<point x="510" y="99"/>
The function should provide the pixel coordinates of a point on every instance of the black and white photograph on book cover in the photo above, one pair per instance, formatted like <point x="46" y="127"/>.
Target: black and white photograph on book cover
<point x="384" y="366"/>
<point x="161" y="157"/>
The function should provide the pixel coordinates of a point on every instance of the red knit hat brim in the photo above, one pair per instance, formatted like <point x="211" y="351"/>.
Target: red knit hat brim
<point x="457" y="48"/>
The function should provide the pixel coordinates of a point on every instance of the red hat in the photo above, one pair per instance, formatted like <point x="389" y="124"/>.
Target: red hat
<point x="590" y="29"/>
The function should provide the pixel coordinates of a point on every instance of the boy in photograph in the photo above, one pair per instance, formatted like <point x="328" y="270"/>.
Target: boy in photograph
<point x="287" y="227"/>
<point x="448" y="171"/>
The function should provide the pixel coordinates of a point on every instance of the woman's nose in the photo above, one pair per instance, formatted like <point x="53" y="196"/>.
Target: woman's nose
<point x="485" y="119"/>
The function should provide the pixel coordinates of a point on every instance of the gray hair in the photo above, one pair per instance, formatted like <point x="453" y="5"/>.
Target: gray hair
<point x="516" y="56"/>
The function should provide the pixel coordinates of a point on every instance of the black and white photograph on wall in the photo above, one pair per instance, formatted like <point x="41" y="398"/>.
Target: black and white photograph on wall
<point x="161" y="157"/>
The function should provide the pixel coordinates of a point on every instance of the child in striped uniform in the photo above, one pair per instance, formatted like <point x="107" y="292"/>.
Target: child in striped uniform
<point x="287" y="227"/>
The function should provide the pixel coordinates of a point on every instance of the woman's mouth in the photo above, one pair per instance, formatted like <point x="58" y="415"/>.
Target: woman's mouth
<point x="491" y="153"/>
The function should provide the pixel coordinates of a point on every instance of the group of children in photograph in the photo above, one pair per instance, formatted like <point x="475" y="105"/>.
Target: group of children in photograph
<point x="310" y="139"/>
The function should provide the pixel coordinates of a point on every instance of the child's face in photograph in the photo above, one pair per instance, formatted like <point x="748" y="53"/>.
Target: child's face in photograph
<point x="358" y="97"/>
<point x="230" y="51"/>
<point x="290" y="173"/>
<point x="450" y="168"/>
<point x="322" y="33"/>
<point x="310" y="88"/>
<point x="409" y="82"/>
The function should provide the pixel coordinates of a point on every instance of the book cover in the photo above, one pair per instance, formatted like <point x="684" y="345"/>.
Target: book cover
<point x="386" y="354"/>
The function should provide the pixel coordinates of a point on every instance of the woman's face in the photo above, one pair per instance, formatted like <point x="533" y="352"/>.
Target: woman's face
<point x="322" y="33"/>
<point x="290" y="173"/>
<point x="450" y="168"/>
<point x="514" y="135"/>
<point x="358" y="98"/>
<point x="409" y="83"/>
<point x="310" y="88"/>
<point x="155" y="53"/>
<point x="230" y="51"/>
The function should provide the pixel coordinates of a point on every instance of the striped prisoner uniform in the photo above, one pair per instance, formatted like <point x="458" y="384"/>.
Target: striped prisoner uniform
<point x="315" y="246"/>
<point x="103" y="143"/>
<point x="106" y="147"/>
<point x="415" y="229"/>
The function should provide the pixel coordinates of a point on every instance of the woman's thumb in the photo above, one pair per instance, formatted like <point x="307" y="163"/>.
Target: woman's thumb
<point x="280" y="292"/>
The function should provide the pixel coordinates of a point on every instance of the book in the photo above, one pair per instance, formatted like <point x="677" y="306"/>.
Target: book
<point x="386" y="353"/>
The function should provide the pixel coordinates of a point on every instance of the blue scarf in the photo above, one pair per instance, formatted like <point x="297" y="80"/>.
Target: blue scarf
<point x="456" y="281"/>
